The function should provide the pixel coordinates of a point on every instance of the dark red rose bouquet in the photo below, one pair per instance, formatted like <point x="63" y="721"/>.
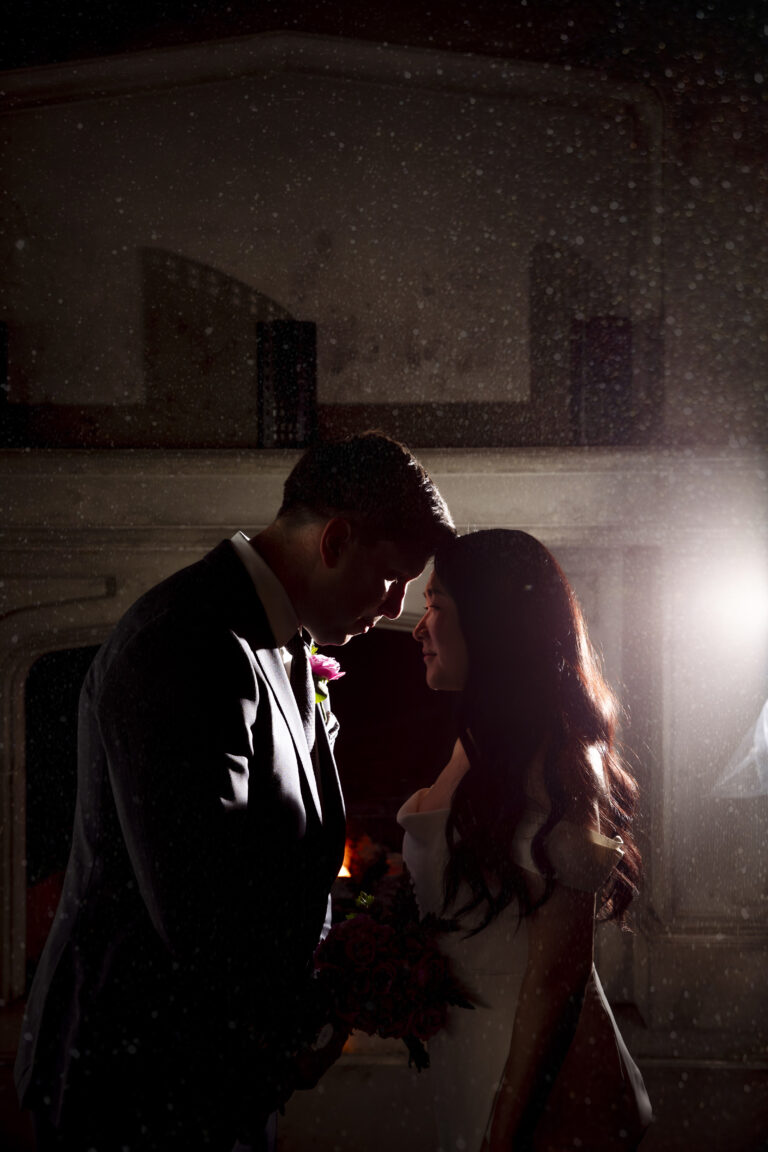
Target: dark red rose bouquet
<point x="382" y="971"/>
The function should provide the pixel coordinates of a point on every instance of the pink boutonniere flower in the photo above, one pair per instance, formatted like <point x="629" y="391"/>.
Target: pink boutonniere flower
<point x="323" y="668"/>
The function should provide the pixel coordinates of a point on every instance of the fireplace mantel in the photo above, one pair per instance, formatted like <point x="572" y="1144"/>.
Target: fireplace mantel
<point x="85" y="532"/>
<point x="636" y="493"/>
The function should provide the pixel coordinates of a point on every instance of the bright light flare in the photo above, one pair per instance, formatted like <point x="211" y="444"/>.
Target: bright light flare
<point x="738" y="603"/>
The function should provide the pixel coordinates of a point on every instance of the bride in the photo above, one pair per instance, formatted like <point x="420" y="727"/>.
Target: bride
<point x="525" y="840"/>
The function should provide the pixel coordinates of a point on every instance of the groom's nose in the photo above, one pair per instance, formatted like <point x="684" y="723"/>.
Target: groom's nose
<point x="392" y="604"/>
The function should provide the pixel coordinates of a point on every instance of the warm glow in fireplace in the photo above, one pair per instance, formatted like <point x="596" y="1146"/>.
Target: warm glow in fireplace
<point x="344" y="871"/>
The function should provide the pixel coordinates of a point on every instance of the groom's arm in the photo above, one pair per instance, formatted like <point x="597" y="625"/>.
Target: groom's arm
<point x="176" y="714"/>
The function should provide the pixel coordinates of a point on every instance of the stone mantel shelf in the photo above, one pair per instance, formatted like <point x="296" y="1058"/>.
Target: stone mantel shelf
<point x="629" y="496"/>
<point x="559" y="459"/>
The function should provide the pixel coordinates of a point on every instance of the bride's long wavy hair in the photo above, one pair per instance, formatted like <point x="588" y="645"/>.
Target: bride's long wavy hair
<point x="533" y="686"/>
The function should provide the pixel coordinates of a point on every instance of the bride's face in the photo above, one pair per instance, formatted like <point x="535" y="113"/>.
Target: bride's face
<point x="441" y="639"/>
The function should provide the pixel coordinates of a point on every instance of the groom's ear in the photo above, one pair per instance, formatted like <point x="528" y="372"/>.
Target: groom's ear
<point x="335" y="540"/>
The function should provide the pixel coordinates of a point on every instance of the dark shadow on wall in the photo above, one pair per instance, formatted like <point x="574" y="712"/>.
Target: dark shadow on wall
<point x="224" y="367"/>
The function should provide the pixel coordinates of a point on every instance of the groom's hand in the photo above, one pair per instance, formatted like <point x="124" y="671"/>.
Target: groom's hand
<point x="312" y="1062"/>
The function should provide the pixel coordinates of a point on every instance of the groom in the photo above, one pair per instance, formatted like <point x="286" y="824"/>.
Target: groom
<point x="172" y="993"/>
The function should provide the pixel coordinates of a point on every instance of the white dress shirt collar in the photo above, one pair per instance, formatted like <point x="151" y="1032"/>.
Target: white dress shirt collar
<point x="281" y="614"/>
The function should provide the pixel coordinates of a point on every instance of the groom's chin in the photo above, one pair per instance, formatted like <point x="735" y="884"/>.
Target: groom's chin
<point x="337" y="637"/>
<point x="332" y="639"/>
<point x="359" y="628"/>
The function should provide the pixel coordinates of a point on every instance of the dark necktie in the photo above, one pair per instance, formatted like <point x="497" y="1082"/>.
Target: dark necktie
<point x="303" y="686"/>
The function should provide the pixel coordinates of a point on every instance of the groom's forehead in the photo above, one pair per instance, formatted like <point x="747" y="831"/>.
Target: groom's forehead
<point x="406" y="559"/>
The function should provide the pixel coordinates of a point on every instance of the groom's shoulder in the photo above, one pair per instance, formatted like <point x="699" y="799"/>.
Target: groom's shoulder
<point x="190" y="603"/>
<point x="193" y="586"/>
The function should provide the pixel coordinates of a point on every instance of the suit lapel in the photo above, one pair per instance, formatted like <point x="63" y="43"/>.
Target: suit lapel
<point x="275" y="675"/>
<point x="333" y="798"/>
<point x="246" y="614"/>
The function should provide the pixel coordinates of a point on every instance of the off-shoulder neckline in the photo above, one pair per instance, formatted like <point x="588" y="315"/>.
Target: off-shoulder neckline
<point x="426" y="812"/>
<point x="597" y="838"/>
<point x="417" y="811"/>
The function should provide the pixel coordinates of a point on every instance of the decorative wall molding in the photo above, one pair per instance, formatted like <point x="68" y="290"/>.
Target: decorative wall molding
<point x="221" y="61"/>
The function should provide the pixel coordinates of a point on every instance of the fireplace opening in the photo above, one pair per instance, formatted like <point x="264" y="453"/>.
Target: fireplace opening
<point x="51" y="695"/>
<point x="395" y="737"/>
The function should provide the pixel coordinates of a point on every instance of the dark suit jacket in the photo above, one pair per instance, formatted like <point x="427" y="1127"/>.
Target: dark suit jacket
<point x="197" y="886"/>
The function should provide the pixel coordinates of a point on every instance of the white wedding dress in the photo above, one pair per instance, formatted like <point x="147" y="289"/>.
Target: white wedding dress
<point x="599" y="1101"/>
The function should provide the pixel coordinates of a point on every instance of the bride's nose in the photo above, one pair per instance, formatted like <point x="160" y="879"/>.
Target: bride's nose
<point x="420" y="628"/>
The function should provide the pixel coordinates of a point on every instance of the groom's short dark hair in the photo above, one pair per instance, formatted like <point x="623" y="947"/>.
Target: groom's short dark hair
<point x="376" y="482"/>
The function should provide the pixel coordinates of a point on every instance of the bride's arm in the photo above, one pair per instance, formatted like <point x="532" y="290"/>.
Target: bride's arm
<point x="560" y="951"/>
